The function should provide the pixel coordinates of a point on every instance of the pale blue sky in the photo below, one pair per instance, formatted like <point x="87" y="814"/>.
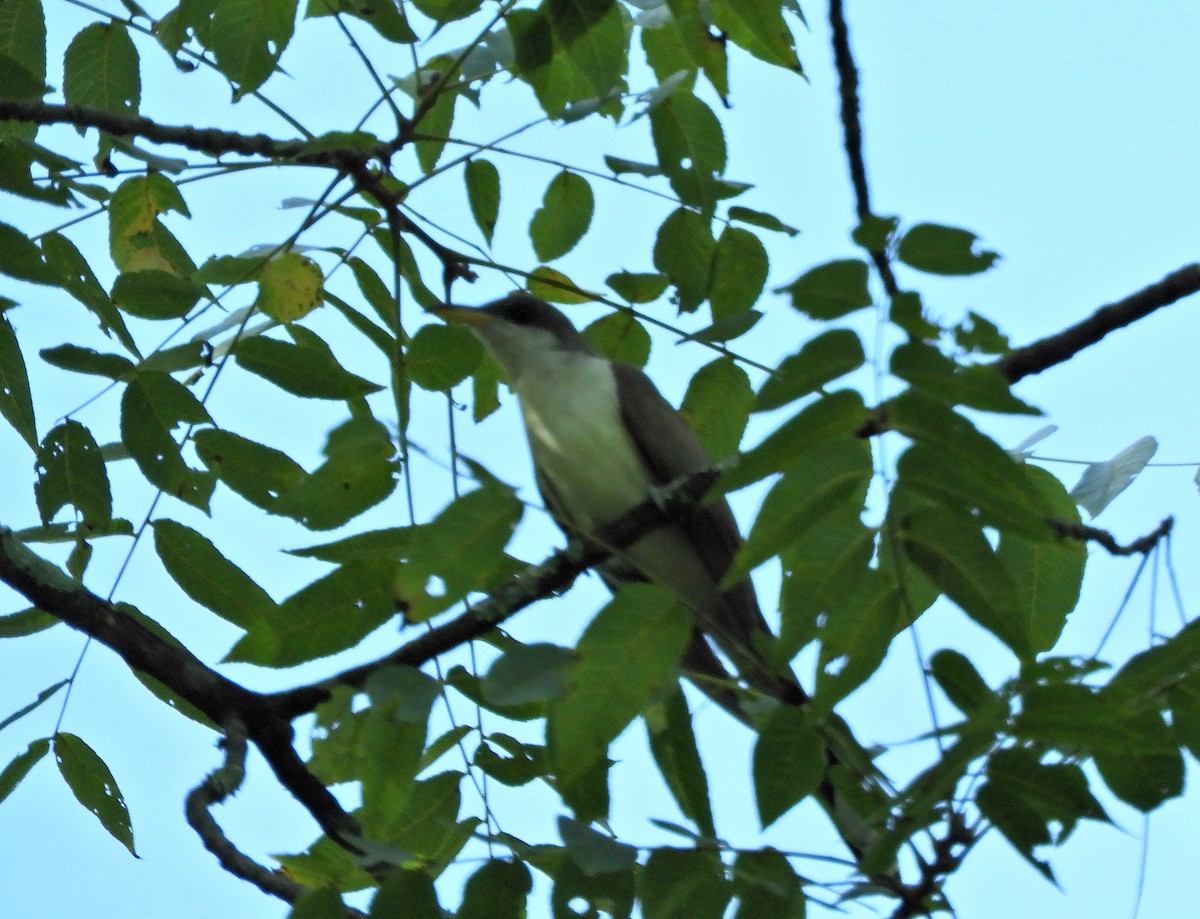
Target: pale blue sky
<point x="1064" y="134"/>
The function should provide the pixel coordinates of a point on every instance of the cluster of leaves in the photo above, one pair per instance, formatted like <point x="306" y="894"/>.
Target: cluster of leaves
<point x="964" y="520"/>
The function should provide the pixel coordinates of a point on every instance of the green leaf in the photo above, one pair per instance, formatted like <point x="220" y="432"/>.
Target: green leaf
<point x="77" y="279"/>
<point x="627" y="654"/>
<point x="1101" y="482"/>
<point x="23" y="35"/>
<point x="739" y="272"/>
<point x="94" y="786"/>
<point x="307" y="369"/>
<point x="318" y="903"/>
<point x="943" y="250"/>
<point x="832" y="290"/>
<point x="826" y="477"/>
<point x="290" y="286"/>
<point x="329" y="615"/>
<point x="463" y="547"/>
<point x="21" y="259"/>
<point x="594" y="852"/>
<point x="483" y="194"/>
<point x="789" y="761"/>
<point x="683" y="250"/>
<point x="960" y="681"/>
<point x="258" y="473"/>
<point x="85" y="360"/>
<point x="621" y="166"/>
<point x="498" y="890"/>
<point x="71" y="471"/>
<point x="551" y="284"/>
<point x="26" y="622"/>
<point x="825" y="358"/>
<point x="952" y="551"/>
<point x="837" y="414"/>
<point x="637" y="288"/>
<point x="442" y="356"/>
<point x="100" y="70"/>
<point x="683" y="884"/>
<point x="205" y="575"/>
<point x="528" y="673"/>
<point x="729" y="328"/>
<point x="12" y="774"/>
<point x="390" y="543"/>
<point x="1148" y="769"/>
<point x="248" y="37"/>
<point x="766" y="886"/>
<point x="387" y="17"/>
<point x="684" y="41"/>
<point x="619" y="337"/>
<point x="152" y="406"/>
<point x="762" y="220"/>
<point x="717" y="405"/>
<point x="359" y="472"/>
<point x="26" y="709"/>
<point x="565" y="215"/>
<point x="524" y="763"/>
<point x="855" y="640"/>
<point x="154" y="294"/>
<point x="405" y="892"/>
<point x="436" y="125"/>
<point x="691" y="149"/>
<point x="16" y="401"/>
<point x="443" y="11"/>
<point x="758" y="26"/>
<point x="980" y="386"/>
<point x="673" y="743"/>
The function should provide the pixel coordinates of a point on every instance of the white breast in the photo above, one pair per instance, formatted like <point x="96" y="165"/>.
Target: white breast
<point x="578" y="439"/>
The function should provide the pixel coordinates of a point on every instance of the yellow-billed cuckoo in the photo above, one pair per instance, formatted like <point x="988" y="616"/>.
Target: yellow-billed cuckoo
<point x="602" y="438"/>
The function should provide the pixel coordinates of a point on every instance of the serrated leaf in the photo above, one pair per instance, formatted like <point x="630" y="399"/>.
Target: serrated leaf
<point x="594" y="852"/>
<point x="152" y="407"/>
<point x="404" y="892"/>
<point x="100" y="70"/>
<point x="21" y="259"/>
<point x="209" y="578"/>
<point x="436" y="125"/>
<point x="442" y="356"/>
<point x="483" y="195"/>
<point x="94" y="786"/>
<point x="673" y="744"/>
<point x="154" y="294"/>
<point x="855" y="639"/>
<point x="77" y="279"/>
<point x="359" y="472"/>
<point x="23" y="35"/>
<point x="739" y="272"/>
<point x="528" y="673"/>
<point x="1101" y="482"/>
<point x="953" y="552"/>
<point x="761" y="219"/>
<point x="85" y="360"/>
<point x="938" y="249"/>
<point x="824" y="358"/>
<point x="691" y="149"/>
<point x="498" y="890"/>
<point x="628" y="652"/>
<point x="621" y="166"/>
<point x="551" y="284"/>
<point x="12" y="774"/>
<point x="248" y="37"/>
<point x="789" y="761"/>
<point x="758" y="27"/>
<point x="717" y="405"/>
<point x="832" y="290"/>
<point x="637" y="288"/>
<point x="71" y="471"/>
<point x="290" y="286"/>
<point x="16" y="401"/>
<point x="565" y="215"/>
<point x="387" y="18"/>
<point x="960" y="681"/>
<point x="307" y="369"/>
<point x="683" y="884"/>
<point x="258" y="473"/>
<point x="683" y="250"/>
<point x="826" y="477"/>
<point x="619" y="337"/>
<point x="766" y="886"/>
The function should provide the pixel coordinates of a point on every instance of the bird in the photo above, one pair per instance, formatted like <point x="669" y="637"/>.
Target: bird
<point x="603" y="439"/>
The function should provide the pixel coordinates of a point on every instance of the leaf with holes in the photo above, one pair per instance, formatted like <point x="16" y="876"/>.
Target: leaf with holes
<point x="153" y="406"/>
<point x="94" y="786"/>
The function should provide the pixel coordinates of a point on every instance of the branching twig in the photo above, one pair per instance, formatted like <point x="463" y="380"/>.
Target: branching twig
<point x="1062" y="346"/>
<point x="1103" y="537"/>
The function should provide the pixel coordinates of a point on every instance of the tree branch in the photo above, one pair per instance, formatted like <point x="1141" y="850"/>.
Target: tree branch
<point x="1091" y="534"/>
<point x="1062" y="346"/>
<point x="222" y="700"/>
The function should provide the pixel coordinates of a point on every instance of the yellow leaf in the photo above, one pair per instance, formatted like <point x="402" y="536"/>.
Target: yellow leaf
<point x="290" y="287"/>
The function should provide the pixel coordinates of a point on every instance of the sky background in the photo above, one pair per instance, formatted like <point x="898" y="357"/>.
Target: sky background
<point x="1065" y="135"/>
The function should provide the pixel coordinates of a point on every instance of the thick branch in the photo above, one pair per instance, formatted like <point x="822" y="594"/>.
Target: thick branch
<point x="222" y="700"/>
<point x="535" y="583"/>
<point x="1062" y="346"/>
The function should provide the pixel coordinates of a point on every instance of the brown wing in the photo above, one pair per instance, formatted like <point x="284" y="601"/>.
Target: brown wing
<point x="669" y="449"/>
